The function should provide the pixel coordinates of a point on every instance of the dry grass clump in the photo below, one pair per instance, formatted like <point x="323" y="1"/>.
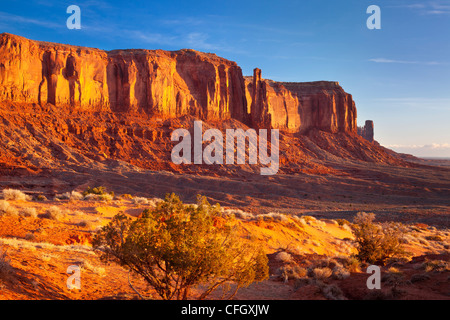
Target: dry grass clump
<point x="140" y="200"/>
<point x="86" y="265"/>
<point x="273" y="216"/>
<point x="86" y="224"/>
<point x="302" y="222"/>
<point x="343" y="222"/>
<point x="238" y="213"/>
<point x="5" y="263"/>
<point x="30" y="237"/>
<point x="28" y="212"/>
<point x="436" y="266"/>
<point x="309" y="219"/>
<point x="290" y="271"/>
<point x="352" y="264"/>
<point x="340" y="273"/>
<point x="7" y="210"/>
<point x="393" y="277"/>
<point x="53" y="213"/>
<point x="98" y="197"/>
<point x="419" y="277"/>
<point x="146" y="201"/>
<point x="13" y="194"/>
<point x="40" y="197"/>
<point x="283" y="256"/>
<point x="321" y="273"/>
<point x="24" y="244"/>
<point x="332" y="291"/>
<point x="74" y="195"/>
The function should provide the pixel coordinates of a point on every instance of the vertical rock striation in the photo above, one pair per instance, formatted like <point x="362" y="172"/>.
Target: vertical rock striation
<point x="166" y="83"/>
<point x="300" y="106"/>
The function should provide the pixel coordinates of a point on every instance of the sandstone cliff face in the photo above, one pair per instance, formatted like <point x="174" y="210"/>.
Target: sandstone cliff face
<point x="300" y="106"/>
<point x="155" y="82"/>
<point x="166" y="83"/>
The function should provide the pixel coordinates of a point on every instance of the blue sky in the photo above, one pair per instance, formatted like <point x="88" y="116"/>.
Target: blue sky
<point x="399" y="76"/>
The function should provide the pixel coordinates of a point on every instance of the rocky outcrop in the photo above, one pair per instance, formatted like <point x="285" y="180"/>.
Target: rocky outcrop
<point x="367" y="131"/>
<point x="168" y="84"/>
<point x="300" y="106"/>
<point x="151" y="81"/>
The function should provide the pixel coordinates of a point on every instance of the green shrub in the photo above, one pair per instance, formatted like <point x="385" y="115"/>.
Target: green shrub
<point x="98" y="191"/>
<point x="376" y="243"/>
<point x="177" y="247"/>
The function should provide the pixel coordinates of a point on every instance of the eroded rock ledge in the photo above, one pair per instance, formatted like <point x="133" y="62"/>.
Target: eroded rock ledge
<point x="168" y="84"/>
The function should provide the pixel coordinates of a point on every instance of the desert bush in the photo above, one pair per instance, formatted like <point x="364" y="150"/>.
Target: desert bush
<point x="376" y="243"/>
<point x="74" y="195"/>
<point x="321" y="273"/>
<point x="85" y="264"/>
<point x="238" y="213"/>
<point x="126" y="196"/>
<point x="419" y="277"/>
<point x="176" y="247"/>
<point x="273" y="216"/>
<point x="140" y="200"/>
<point x="146" y="201"/>
<point x="13" y="194"/>
<point x="378" y="295"/>
<point x="393" y="278"/>
<point x="394" y="270"/>
<point x="53" y="213"/>
<point x="290" y="271"/>
<point x="332" y="292"/>
<point x="98" y="197"/>
<point x="340" y="273"/>
<point x="309" y="219"/>
<point x="5" y="263"/>
<point x="7" y="210"/>
<point x="327" y="262"/>
<point x="342" y="222"/>
<point x="85" y="224"/>
<point x="283" y="256"/>
<point x="100" y="191"/>
<point x="28" y="212"/>
<point x="30" y="237"/>
<point x="40" y="197"/>
<point x="436" y="265"/>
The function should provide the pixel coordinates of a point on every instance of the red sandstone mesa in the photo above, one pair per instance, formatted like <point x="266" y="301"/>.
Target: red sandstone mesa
<point x="166" y="83"/>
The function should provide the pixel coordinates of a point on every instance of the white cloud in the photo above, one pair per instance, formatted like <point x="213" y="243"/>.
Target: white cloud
<point x="430" y="7"/>
<point x="425" y="146"/>
<point x="384" y="60"/>
<point x="427" y="150"/>
<point x="11" y="18"/>
<point x="198" y="40"/>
